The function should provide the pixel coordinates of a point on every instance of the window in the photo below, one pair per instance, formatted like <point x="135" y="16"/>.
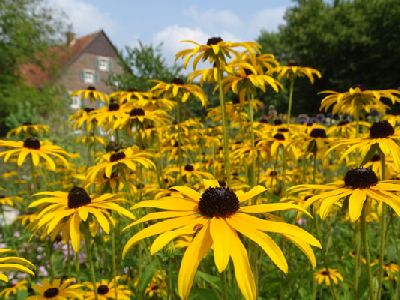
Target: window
<point x="76" y="102"/>
<point x="103" y="63"/>
<point x="88" y="76"/>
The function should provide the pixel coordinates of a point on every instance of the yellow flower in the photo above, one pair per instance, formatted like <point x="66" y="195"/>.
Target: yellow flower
<point x="359" y="184"/>
<point x="328" y="276"/>
<point x="215" y="51"/>
<point x="57" y="290"/>
<point x="14" y="263"/>
<point x="292" y="70"/>
<point x="13" y="288"/>
<point x="36" y="150"/>
<point x="91" y="94"/>
<point x="106" y="291"/>
<point x="123" y="158"/>
<point x="356" y="99"/>
<point x="74" y="207"/>
<point x="178" y="89"/>
<point x="29" y="129"/>
<point x="214" y="218"/>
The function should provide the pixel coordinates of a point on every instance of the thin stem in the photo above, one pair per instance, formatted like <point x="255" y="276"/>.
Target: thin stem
<point x="33" y="177"/>
<point x="252" y="140"/>
<point x="77" y="268"/>
<point x="90" y="260"/>
<point x="50" y="258"/>
<point x="366" y="250"/>
<point x="68" y="260"/>
<point x="113" y="258"/>
<point x="383" y="233"/>
<point x="224" y="286"/>
<point x="290" y="99"/>
<point x="179" y="119"/>
<point x="357" y="258"/>
<point x="225" y="127"/>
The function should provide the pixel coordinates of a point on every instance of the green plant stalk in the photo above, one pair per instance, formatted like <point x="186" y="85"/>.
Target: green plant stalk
<point x="90" y="259"/>
<point x="252" y="180"/>
<point x="179" y="119"/>
<point x="50" y="258"/>
<point x="77" y="269"/>
<point x="357" y="259"/>
<point x="383" y="233"/>
<point x="366" y="250"/>
<point x="33" y="177"/>
<point x="289" y="114"/>
<point x="68" y="260"/>
<point x="113" y="258"/>
<point x="224" y="285"/>
<point x="225" y="127"/>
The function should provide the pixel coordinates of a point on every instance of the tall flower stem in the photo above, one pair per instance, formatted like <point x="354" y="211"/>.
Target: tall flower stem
<point x="252" y="180"/>
<point x="77" y="268"/>
<point x="383" y="232"/>
<point x="225" y="127"/>
<point x="90" y="260"/>
<point x="34" y="186"/>
<point x="366" y="250"/>
<point x="179" y="120"/>
<point x="289" y="114"/>
<point x="113" y="258"/>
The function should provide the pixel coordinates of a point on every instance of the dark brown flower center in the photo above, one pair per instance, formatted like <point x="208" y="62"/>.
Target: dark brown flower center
<point x="318" y="133"/>
<point x="325" y="272"/>
<point x="78" y="197"/>
<point x="32" y="143"/>
<point x="102" y="289"/>
<point x="91" y="88"/>
<point x="235" y="99"/>
<point x="177" y="81"/>
<point x="88" y="109"/>
<point x="360" y="178"/>
<point x="188" y="168"/>
<point x="218" y="202"/>
<point x="214" y="40"/>
<point x="117" y="156"/>
<point x="375" y="158"/>
<point x="273" y="173"/>
<point x="138" y="111"/>
<point x="113" y="106"/>
<point x="50" y="293"/>
<point x="283" y="129"/>
<point x="278" y="122"/>
<point x="279" y="137"/>
<point x="381" y="129"/>
<point x="344" y="122"/>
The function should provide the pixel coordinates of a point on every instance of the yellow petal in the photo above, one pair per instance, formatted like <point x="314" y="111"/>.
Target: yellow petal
<point x="194" y="253"/>
<point x="356" y="202"/>
<point x="187" y="192"/>
<point x="252" y="193"/>
<point x="74" y="232"/>
<point x="221" y="234"/>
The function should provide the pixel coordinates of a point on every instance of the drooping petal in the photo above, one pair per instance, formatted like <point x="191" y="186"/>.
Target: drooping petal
<point x="252" y="193"/>
<point x="74" y="232"/>
<point x="356" y="203"/>
<point x="187" y="191"/>
<point x="194" y="253"/>
<point x="221" y="234"/>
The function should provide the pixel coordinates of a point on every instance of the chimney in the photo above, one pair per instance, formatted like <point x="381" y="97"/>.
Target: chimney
<point x="70" y="37"/>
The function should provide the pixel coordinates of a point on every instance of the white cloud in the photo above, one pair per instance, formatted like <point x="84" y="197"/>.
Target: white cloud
<point x="214" y="20"/>
<point x="268" y="19"/>
<point x="85" y="17"/>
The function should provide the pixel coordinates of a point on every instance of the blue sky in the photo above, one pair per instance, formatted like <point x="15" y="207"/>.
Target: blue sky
<point x="169" y="21"/>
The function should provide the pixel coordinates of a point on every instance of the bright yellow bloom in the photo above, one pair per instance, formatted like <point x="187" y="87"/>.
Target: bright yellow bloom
<point x="215" y="51"/>
<point x="357" y="98"/>
<point x="14" y="263"/>
<point x="359" y="185"/>
<point x="91" y="94"/>
<point x="74" y="207"/>
<point x="214" y="218"/>
<point x="29" y="129"/>
<point x="292" y="70"/>
<point x="36" y="150"/>
<point x="328" y="276"/>
<point x="57" y="290"/>
<point x="106" y="291"/>
<point x="13" y="289"/>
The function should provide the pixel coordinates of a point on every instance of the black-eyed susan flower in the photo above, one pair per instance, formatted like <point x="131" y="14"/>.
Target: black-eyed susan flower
<point x="293" y="70"/>
<point x="14" y="263"/>
<point x="106" y="290"/>
<point x="29" y="129"/>
<point x="381" y="134"/>
<point x="214" y="218"/>
<point x="36" y="150"/>
<point x="57" y="290"/>
<point x="357" y="100"/>
<point x="74" y="207"/>
<point x="180" y="90"/>
<point x="127" y="158"/>
<point x="158" y="285"/>
<point x="328" y="276"/>
<point x="13" y="288"/>
<point x="91" y="94"/>
<point x="359" y="186"/>
<point x="215" y="51"/>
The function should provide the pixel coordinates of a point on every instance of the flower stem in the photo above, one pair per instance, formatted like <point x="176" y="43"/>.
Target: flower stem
<point x="77" y="269"/>
<point x="366" y="250"/>
<point x="90" y="259"/>
<point x="383" y="232"/>
<point x="290" y="99"/>
<point x="113" y="258"/>
<point x="252" y="180"/>
<point x="225" y="127"/>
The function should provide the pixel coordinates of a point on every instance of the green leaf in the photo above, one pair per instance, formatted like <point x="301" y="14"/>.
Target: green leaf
<point x="371" y="152"/>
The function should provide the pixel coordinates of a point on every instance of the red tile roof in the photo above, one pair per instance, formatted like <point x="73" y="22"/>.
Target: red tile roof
<point x="57" y="58"/>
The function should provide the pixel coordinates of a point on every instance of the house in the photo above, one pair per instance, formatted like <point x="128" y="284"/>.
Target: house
<point x="85" y="61"/>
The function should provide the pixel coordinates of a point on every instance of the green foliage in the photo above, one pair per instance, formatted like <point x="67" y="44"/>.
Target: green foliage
<point x="143" y="63"/>
<point x="350" y="42"/>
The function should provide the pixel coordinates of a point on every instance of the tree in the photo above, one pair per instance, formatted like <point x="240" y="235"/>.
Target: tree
<point x="350" y="42"/>
<point x="143" y="63"/>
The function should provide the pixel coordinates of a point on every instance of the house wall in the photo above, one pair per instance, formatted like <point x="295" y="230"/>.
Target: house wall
<point x="72" y="77"/>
